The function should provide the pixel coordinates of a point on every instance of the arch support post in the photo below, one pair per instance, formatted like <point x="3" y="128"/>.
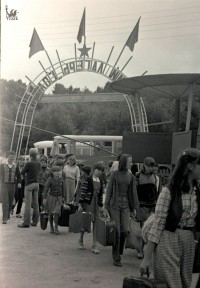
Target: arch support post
<point x="139" y="108"/>
<point x="189" y="109"/>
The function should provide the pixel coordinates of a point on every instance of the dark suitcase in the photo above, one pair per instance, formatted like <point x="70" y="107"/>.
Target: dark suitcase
<point x="106" y="231"/>
<point x="80" y="221"/>
<point x="65" y="214"/>
<point x="141" y="282"/>
<point x="64" y="217"/>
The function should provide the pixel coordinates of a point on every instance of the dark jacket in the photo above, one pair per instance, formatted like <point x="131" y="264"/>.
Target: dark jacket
<point x="176" y="210"/>
<point x="147" y="188"/>
<point x="112" y="193"/>
<point x="86" y="191"/>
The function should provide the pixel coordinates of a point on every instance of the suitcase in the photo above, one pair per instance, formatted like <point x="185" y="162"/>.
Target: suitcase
<point x="141" y="282"/>
<point x="44" y="217"/>
<point x="65" y="214"/>
<point x="106" y="231"/>
<point x="80" y="221"/>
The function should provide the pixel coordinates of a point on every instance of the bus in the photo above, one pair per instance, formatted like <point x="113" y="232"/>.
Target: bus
<point x="92" y="147"/>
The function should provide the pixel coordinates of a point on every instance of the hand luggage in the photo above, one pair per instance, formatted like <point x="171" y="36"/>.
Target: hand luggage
<point x="66" y="211"/>
<point x="64" y="217"/>
<point x="134" y="239"/>
<point x="106" y="231"/>
<point x="80" y="221"/>
<point x="196" y="264"/>
<point x="141" y="282"/>
<point x="44" y="216"/>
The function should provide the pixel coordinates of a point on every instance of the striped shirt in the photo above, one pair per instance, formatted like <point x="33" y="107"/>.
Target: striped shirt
<point x="190" y="209"/>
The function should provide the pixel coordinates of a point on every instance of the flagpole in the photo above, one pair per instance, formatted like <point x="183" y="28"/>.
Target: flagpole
<point x="51" y="65"/>
<point x="108" y="58"/>
<point x="45" y="72"/>
<point x="60" y="63"/>
<point x="119" y="56"/>
<point x="126" y="63"/>
<point x="75" y="54"/>
<point x="92" y="53"/>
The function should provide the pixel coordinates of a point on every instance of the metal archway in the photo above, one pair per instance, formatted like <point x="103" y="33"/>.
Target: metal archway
<point x="55" y="72"/>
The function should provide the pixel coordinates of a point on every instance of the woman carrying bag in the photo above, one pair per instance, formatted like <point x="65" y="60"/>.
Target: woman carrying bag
<point x="120" y="203"/>
<point x="177" y="214"/>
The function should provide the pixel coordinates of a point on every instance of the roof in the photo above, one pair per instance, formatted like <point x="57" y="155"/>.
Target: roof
<point x="161" y="85"/>
<point x="90" y="137"/>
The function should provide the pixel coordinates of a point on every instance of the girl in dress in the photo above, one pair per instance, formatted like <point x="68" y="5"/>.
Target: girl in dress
<point x="53" y="197"/>
<point x="71" y="174"/>
<point x="91" y="200"/>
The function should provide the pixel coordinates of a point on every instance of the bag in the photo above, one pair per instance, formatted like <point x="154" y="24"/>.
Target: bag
<point x="141" y="282"/>
<point x="80" y="221"/>
<point x="66" y="210"/>
<point x="196" y="264"/>
<point x="147" y="227"/>
<point x="134" y="239"/>
<point x="106" y="231"/>
<point x="44" y="216"/>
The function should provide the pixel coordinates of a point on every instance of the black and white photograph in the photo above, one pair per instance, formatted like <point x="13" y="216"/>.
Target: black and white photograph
<point x="100" y="144"/>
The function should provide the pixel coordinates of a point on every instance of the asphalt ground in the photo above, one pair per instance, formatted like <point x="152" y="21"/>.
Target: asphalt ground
<point x="31" y="257"/>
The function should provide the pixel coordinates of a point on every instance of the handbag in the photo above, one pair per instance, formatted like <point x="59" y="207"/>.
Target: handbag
<point x="134" y="239"/>
<point x="44" y="217"/>
<point x="196" y="263"/>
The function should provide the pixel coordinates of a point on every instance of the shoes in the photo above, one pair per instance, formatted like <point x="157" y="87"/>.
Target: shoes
<point x="18" y="216"/>
<point x="33" y="224"/>
<point x="52" y="230"/>
<point x="57" y="232"/>
<point x="23" y="225"/>
<point x="140" y="255"/>
<point x="81" y="246"/>
<point x="117" y="263"/>
<point x="95" y="250"/>
<point x="4" y="221"/>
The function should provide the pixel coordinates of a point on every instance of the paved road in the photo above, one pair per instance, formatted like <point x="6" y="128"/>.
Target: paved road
<point x="31" y="257"/>
<point x="35" y="258"/>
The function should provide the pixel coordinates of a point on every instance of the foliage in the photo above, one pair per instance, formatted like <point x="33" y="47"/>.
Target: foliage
<point x="109" y="118"/>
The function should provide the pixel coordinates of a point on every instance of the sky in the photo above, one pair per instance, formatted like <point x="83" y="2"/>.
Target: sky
<point x="169" y="36"/>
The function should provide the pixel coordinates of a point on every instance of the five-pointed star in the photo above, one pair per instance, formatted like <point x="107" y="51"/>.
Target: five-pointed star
<point x="84" y="51"/>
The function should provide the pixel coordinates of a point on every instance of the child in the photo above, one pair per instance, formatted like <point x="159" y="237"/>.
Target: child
<point x="177" y="214"/>
<point x="91" y="199"/>
<point x="53" y="196"/>
<point x="71" y="175"/>
<point x="9" y="175"/>
<point x="19" y="192"/>
<point x="42" y="179"/>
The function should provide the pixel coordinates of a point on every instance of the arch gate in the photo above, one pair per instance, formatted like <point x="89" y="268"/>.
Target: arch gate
<point x="36" y="89"/>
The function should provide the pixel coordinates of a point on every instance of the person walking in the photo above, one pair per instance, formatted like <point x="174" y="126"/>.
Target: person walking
<point x="31" y="171"/>
<point x="121" y="202"/>
<point x="147" y="190"/>
<point x="9" y="177"/>
<point x="91" y="199"/>
<point x="177" y="215"/>
<point x="71" y="178"/>
<point x="42" y="179"/>
<point x="19" y="192"/>
<point x="53" y="197"/>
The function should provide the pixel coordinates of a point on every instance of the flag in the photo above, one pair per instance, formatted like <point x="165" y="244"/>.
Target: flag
<point x="35" y="44"/>
<point x="133" y="38"/>
<point x="81" y="31"/>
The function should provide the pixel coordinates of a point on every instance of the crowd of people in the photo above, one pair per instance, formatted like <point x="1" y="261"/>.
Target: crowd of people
<point x="121" y="193"/>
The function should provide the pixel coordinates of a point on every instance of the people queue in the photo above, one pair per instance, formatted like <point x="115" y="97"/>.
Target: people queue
<point x="129" y="194"/>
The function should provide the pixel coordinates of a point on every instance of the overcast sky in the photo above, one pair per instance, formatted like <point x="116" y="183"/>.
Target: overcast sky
<point x="169" y="36"/>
